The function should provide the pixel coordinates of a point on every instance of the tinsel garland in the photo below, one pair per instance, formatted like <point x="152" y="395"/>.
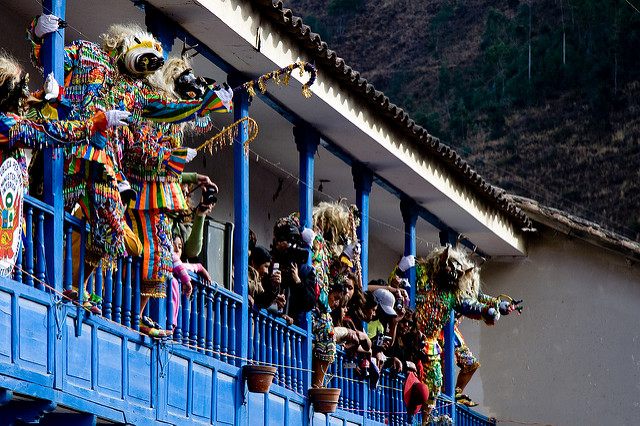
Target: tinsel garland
<point x="229" y="133"/>
<point x="282" y="77"/>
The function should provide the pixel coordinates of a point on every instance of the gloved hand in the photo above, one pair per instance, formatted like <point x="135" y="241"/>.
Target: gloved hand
<point x="47" y="24"/>
<point x="226" y="96"/>
<point x="51" y="88"/>
<point x="116" y="118"/>
<point x="491" y="316"/>
<point x="406" y="263"/>
<point x="308" y="235"/>
<point x="191" y="154"/>
<point x="504" y="307"/>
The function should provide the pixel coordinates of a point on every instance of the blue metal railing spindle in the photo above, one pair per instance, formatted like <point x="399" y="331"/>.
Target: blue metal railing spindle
<point x="68" y="257"/>
<point x="232" y="328"/>
<point x="225" y="328"/>
<point x="126" y="293"/>
<point x="17" y="271"/>
<point x="350" y="375"/>
<point x="98" y="284"/>
<point x="193" y="319"/>
<point x="40" y="260"/>
<point x="263" y="338"/>
<point x="277" y="338"/>
<point x="177" y="333"/>
<point x="186" y="319"/>
<point x="108" y="294"/>
<point x="269" y="340"/>
<point x="252" y="336"/>
<point x="28" y="247"/>
<point x="169" y="305"/>
<point x="299" y="361"/>
<point x="218" y="327"/>
<point x="201" y="318"/>
<point x="338" y="371"/>
<point x="210" y="319"/>
<point x="135" y="308"/>
<point x="117" y="293"/>
<point x="287" y="358"/>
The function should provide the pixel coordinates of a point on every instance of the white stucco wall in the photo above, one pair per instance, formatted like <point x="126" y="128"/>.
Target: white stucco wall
<point x="573" y="356"/>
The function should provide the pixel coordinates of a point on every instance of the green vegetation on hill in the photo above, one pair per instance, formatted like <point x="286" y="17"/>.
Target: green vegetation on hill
<point x="541" y="97"/>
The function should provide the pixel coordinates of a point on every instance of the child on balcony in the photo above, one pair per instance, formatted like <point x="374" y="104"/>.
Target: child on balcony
<point x="180" y="283"/>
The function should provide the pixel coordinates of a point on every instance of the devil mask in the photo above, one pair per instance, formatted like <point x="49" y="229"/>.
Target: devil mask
<point x="188" y="86"/>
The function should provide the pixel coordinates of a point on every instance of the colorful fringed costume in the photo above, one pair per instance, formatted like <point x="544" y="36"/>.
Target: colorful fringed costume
<point x="445" y="281"/>
<point x="335" y="225"/>
<point x="17" y="133"/>
<point x="154" y="163"/>
<point x="97" y="78"/>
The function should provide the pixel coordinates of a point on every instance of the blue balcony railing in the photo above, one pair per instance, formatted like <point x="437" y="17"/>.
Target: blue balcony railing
<point x="206" y="329"/>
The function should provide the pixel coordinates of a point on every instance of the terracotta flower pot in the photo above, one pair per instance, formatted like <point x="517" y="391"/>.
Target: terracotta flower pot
<point x="325" y="400"/>
<point x="258" y="377"/>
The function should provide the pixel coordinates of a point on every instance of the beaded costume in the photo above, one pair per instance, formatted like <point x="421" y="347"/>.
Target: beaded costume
<point x="93" y="82"/>
<point x="445" y="281"/>
<point x="17" y="133"/>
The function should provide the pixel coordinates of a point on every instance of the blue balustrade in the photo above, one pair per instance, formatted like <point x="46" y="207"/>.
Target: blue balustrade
<point x="126" y="298"/>
<point x="28" y="246"/>
<point x="41" y="266"/>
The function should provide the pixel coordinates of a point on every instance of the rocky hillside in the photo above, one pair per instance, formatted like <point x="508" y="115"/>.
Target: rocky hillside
<point x="542" y="97"/>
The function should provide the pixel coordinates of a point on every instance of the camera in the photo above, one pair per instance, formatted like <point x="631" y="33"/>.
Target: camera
<point x="297" y="255"/>
<point x="209" y="195"/>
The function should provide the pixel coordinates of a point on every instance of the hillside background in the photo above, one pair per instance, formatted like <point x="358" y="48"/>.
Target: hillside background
<point x="541" y="97"/>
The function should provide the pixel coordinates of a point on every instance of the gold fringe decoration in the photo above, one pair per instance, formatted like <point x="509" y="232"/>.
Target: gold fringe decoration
<point x="282" y="77"/>
<point x="228" y="134"/>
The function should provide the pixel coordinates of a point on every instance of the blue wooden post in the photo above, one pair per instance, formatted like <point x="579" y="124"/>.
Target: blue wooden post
<point x="53" y="61"/>
<point x="447" y="236"/>
<point x="241" y="233"/>
<point x="409" y="211"/>
<point x="162" y="28"/>
<point x="363" y="179"/>
<point x="307" y="140"/>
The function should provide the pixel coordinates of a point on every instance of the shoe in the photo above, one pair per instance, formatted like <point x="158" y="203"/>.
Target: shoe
<point x="156" y="333"/>
<point x="465" y="400"/>
<point x="70" y="294"/>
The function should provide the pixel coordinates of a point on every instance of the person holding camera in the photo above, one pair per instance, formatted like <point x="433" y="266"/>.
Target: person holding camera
<point x="189" y="224"/>
<point x="290" y="277"/>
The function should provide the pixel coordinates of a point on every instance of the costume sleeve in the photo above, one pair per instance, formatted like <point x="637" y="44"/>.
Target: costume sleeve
<point x="180" y="271"/>
<point x="15" y="130"/>
<point x="162" y="109"/>
<point x="477" y="310"/>
<point x="193" y="244"/>
<point x="189" y="177"/>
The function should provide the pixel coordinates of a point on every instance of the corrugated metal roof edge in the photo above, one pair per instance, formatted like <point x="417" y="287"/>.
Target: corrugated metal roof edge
<point x="423" y="141"/>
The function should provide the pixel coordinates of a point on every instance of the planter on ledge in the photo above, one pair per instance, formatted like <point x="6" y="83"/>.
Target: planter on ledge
<point x="258" y="377"/>
<point x="325" y="400"/>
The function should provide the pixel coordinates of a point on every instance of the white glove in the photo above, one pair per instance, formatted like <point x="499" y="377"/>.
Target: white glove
<point x="116" y="117"/>
<point x="191" y="154"/>
<point x="407" y="262"/>
<point x="46" y="24"/>
<point x="226" y="96"/>
<point x="51" y="88"/>
<point x="308" y="236"/>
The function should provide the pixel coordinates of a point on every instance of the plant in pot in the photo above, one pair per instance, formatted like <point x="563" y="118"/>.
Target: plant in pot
<point x="258" y="377"/>
<point x="325" y="400"/>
